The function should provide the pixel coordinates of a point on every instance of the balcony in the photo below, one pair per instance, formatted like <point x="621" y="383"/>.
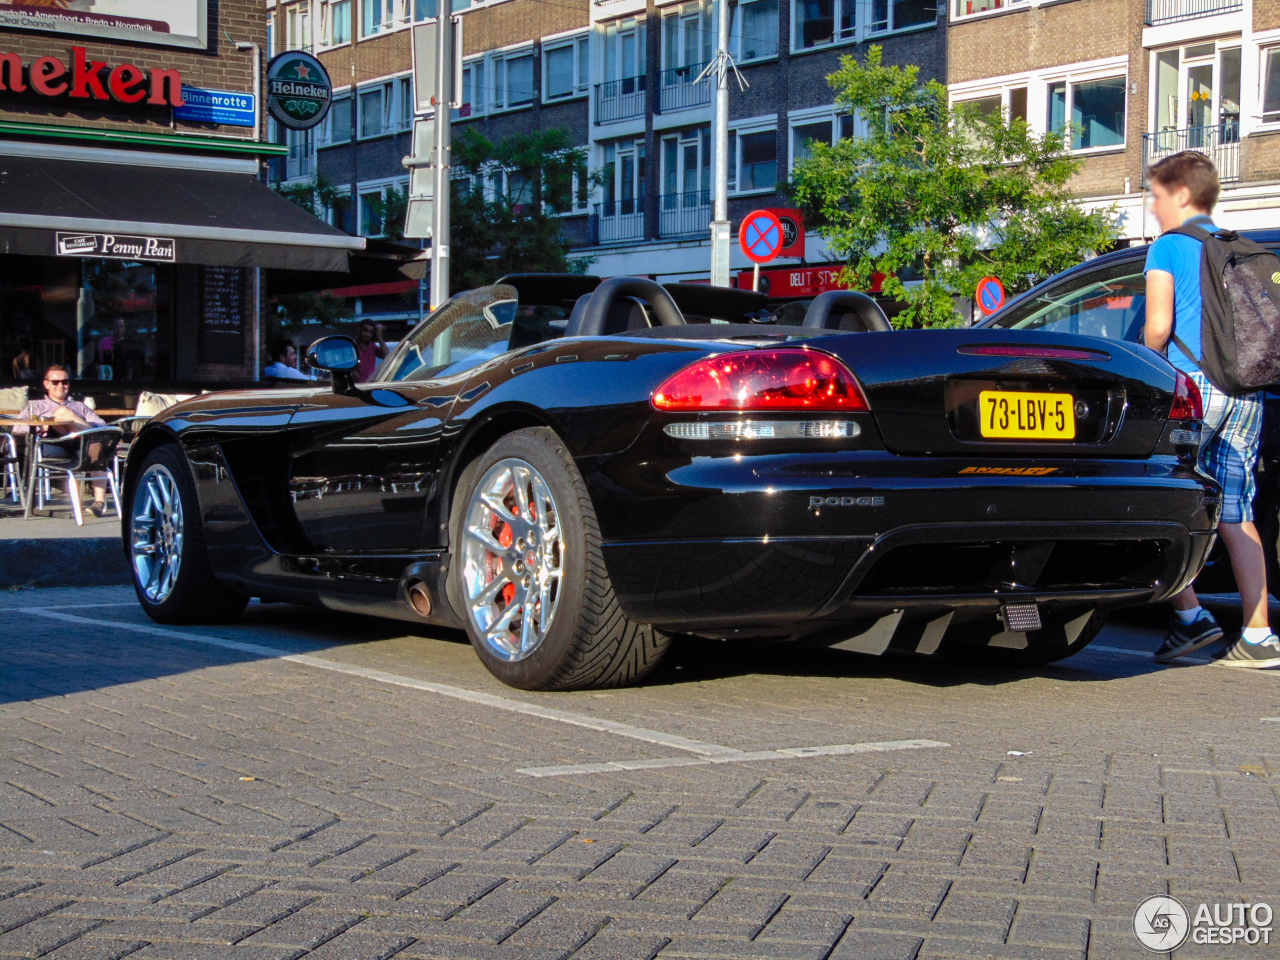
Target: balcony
<point x="620" y="99"/>
<point x="1220" y="142"/>
<point x="619" y="220"/>
<point x="1173" y="11"/>
<point x="298" y="167"/>
<point x="684" y="214"/>
<point x="679" y="92"/>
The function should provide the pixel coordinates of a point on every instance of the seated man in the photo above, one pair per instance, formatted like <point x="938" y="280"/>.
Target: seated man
<point x="284" y="365"/>
<point x="68" y="416"/>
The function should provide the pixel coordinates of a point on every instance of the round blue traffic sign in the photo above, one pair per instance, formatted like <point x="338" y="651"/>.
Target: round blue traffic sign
<point x="760" y="236"/>
<point x="989" y="295"/>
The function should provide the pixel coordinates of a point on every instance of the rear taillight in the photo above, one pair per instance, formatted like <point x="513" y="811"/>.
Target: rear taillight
<point x="1187" y="402"/>
<point x="762" y="380"/>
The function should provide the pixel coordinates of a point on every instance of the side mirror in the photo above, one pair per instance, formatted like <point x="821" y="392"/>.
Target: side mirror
<point x="338" y="356"/>
<point x="335" y="354"/>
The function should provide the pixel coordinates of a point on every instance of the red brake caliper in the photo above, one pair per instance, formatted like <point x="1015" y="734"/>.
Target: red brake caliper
<point x="504" y="536"/>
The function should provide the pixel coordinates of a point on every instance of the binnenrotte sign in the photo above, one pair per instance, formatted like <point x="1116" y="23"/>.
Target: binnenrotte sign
<point x="86" y="79"/>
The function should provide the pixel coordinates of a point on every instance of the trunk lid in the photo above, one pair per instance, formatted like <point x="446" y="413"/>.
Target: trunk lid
<point x="1056" y="395"/>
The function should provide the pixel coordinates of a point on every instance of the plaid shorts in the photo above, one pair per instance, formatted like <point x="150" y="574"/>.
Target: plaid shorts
<point x="1234" y="428"/>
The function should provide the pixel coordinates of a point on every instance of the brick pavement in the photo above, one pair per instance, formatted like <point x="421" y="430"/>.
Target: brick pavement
<point x="166" y="799"/>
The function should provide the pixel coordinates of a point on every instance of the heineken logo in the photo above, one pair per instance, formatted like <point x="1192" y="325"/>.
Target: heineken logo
<point x="298" y="90"/>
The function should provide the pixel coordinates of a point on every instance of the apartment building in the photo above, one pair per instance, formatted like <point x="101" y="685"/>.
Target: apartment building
<point x="1135" y="80"/>
<point x="621" y="76"/>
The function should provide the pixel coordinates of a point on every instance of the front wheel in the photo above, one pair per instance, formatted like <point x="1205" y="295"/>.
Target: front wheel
<point x="164" y="539"/>
<point x="528" y="575"/>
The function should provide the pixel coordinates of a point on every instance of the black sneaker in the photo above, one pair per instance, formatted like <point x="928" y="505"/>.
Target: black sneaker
<point x="98" y="508"/>
<point x="1187" y="638"/>
<point x="1258" y="656"/>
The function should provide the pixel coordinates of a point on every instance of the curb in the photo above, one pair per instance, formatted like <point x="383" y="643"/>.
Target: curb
<point x="72" y="562"/>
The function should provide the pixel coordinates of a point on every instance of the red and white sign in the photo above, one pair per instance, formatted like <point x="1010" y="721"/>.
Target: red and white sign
<point x="782" y="282"/>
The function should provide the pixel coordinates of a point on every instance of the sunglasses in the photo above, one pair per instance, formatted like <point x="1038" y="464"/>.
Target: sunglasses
<point x="54" y="383"/>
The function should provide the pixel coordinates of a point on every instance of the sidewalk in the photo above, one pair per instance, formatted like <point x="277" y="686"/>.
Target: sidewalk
<point x="53" y="552"/>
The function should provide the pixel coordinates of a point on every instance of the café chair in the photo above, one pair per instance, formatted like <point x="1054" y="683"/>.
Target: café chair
<point x="11" y="477"/>
<point x="149" y="404"/>
<point x="92" y="450"/>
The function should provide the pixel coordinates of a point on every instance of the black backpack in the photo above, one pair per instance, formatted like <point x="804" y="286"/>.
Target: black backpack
<point x="1240" y="319"/>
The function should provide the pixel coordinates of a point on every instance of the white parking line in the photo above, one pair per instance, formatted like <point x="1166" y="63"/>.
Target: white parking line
<point x="787" y="753"/>
<point x="458" y="693"/>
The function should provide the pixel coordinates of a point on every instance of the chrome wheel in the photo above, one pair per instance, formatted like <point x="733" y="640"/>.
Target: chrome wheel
<point x="512" y="556"/>
<point x="156" y="533"/>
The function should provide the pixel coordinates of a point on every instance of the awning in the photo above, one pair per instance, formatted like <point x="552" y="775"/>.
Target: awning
<point x="70" y="208"/>
<point x="378" y="263"/>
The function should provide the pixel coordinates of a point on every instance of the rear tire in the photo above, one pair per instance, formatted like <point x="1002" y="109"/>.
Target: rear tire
<point x="1063" y="634"/>
<point x="527" y="574"/>
<point x="165" y="547"/>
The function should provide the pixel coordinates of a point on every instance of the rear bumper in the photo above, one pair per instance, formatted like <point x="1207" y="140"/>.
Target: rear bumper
<point x="781" y="549"/>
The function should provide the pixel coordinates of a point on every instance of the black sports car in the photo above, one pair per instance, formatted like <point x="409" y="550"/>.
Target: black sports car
<point x="573" y="472"/>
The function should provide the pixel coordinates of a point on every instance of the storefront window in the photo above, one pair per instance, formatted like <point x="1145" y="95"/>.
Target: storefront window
<point x="104" y="319"/>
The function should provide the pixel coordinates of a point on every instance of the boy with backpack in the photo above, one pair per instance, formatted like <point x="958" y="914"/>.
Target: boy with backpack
<point x="1201" y="280"/>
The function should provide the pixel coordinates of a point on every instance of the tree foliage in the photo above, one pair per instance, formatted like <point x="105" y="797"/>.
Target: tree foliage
<point x="505" y="212"/>
<point x="942" y="193"/>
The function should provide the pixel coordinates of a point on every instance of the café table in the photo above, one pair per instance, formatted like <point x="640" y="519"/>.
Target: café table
<point x="28" y="490"/>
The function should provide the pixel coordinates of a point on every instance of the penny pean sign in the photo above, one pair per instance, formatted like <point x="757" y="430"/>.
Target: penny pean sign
<point x="298" y="90"/>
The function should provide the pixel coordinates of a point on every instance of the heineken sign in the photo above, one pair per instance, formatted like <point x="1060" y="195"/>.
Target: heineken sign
<point x="298" y="90"/>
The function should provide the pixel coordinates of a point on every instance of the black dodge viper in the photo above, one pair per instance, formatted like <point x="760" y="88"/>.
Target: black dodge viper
<point x="575" y="472"/>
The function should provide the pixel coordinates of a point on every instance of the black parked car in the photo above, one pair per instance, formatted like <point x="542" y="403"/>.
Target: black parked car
<point x="1107" y="297"/>
<point x="573" y="473"/>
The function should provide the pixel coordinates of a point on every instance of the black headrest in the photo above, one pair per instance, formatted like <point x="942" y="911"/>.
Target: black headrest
<point x="846" y="310"/>
<point x="595" y="319"/>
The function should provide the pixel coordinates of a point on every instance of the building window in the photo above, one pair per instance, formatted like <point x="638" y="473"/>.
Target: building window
<point x="565" y="68"/>
<point x="901" y="14"/>
<point x="967" y="8"/>
<point x="298" y="27"/>
<point x="271" y="37"/>
<point x="335" y="22"/>
<point x="301" y="161"/>
<point x="337" y="125"/>
<point x="820" y="22"/>
<point x="425" y="10"/>
<point x="472" y="90"/>
<point x="513" y="80"/>
<point x="386" y="108"/>
<point x="379" y="16"/>
<point x="624" y="50"/>
<point x="373" y="214"/>
<point x="754" y="30"/>
<point x="753" y="160"/>
<point x="1198" y="86"/>
<point x="1271" y="85"/>
<point x="688" y="37"/>
<point x="1008" y="104"/>
<point x="1094" y="110"/>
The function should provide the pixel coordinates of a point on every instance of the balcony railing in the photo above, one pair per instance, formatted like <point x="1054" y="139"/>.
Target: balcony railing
<point x="682" y="214"/>
<point x="679" y="92"/>
<point x="1171" y="11"/>
<point x="618" y="220"/>
<point x="301" y="166"/>
<point x="1220" y="142"/>
<point x="620" y="99"/>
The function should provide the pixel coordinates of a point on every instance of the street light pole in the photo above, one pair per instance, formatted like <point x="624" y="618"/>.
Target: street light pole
<point x="720" y="210"/>
<point x="444" y="104"/>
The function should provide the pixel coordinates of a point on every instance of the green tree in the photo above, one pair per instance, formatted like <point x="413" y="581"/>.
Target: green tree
<point x="942" y="193"/>
<point x="505" y="209"/>
<point x="390" y="210"/>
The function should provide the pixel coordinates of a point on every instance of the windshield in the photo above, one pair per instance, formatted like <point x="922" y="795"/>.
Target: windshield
<point x="469" y="329"/>
<point x="1108" y="303"/>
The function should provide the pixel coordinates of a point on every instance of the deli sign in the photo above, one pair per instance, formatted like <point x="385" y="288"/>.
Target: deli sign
<point x="113" y="246"/>
<point x="86" y="79"/>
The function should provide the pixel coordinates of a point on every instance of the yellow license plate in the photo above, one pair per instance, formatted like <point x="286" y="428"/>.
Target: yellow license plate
<point x="1013" y="415"/>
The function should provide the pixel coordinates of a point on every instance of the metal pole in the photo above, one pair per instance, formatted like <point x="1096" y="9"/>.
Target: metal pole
<point x="444" y="102"/>
<point x="755" y="278"/>
<point x="720" y="213"/>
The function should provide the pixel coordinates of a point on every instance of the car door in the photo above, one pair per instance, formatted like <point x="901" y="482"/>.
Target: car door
<point x="363" y="461"/>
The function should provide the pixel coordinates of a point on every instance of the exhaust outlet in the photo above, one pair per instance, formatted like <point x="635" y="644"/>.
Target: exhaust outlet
<point x="419" y="598"/>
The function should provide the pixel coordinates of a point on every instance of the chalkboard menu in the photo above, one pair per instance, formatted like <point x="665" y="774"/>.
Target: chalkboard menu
<point x="222" y="315"/>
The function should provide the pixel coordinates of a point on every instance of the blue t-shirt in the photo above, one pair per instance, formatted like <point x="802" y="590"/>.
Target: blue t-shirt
<point x="1180" y="256"/>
